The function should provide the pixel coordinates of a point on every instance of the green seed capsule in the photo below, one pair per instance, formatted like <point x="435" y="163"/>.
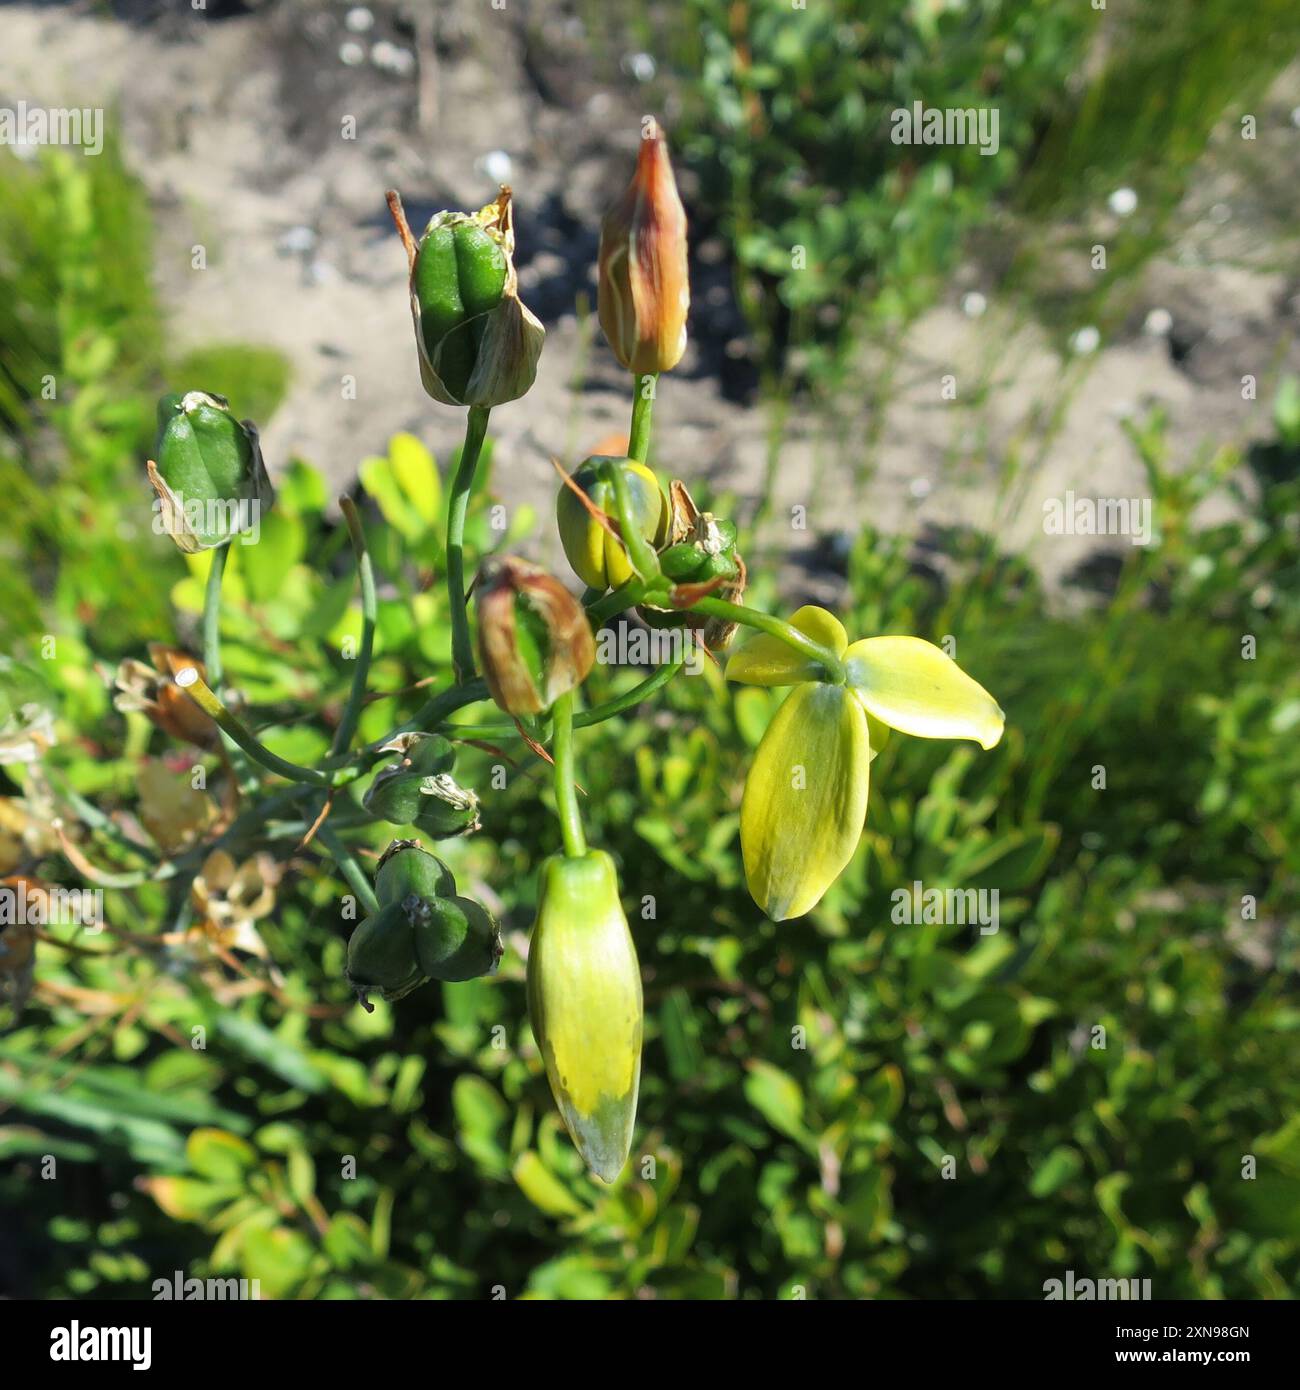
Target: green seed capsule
<point x="598" y="558"/>
<point x="460" y="276"/>
<point x="207" y="471"/>
<point x="382" y="953"/>
<point x="722" y="566"/>
<point x="398" y="792"/>
<point x="455" y="938"/>
<point x="681" y="563"/>
<point x="446" y="808"/>
<point x="407" y="868"/>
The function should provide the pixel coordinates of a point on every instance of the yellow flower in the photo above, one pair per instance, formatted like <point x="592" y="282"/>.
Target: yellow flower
<point x="806" y="795"/>
<point x="584" y="1002"/>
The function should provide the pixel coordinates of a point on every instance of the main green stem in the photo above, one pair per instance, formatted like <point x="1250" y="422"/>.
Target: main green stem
<point x="566" y="791"/>
<point x="643" y="400"/>
<point x="462" y="649"/>
<point x="212" y="616"/>
<point x="641" y="553"/>
<point x="239" y="765"/>
<point x="352" y="871"/>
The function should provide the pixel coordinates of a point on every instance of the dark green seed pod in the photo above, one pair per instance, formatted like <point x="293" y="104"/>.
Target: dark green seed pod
<point x="446" y="808"/>
<point x="207" y="472"/>
<point x="398" y="792"/>
<point x="477" y="344"/>
<point x="460" y="276"/>
<point x="382" y="954"/>
<point x="455" y="938"/>
<point x="720" y="566"/>
<point x="408" y="869"/>
<point x="681" y="563"/>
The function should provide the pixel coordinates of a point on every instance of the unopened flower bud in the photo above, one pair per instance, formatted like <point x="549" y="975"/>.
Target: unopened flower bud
<point x="584" y="1001"/>
<point x="209" y="476"/>
<point x="599" y="558"/>
<point x="477" y="343"/>
<point x="534" y="640"/>
<point x="643" y="290"/>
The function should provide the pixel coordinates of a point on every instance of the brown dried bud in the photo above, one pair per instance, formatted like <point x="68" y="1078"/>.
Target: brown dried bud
<point x="643" y="289"/>
<point x="534" y="639"/>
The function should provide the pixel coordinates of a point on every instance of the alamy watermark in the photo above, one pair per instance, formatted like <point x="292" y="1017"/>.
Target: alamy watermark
<point x="21" y="906"/>
<point x="651" y="646"/>
<point x="962" y="907"/>
<point x="214" y="516"/>
<point x="945" y="125"/>
<point x="26" y="127"/>
<point x="1084" y="1290"/>
<point x="1098" y="516"/>
<point x="179" y="1289"/>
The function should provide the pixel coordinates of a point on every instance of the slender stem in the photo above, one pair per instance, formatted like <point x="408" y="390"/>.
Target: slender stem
<point x="643" y="400"/>
<point x="352" y="710"/>
<point x="597" y="714"/>
<point x="462" y="648"/>
<point x="643" y="690"/>
<point x="617" y="601"/>
<point x="197" y="689"/>
<point x="95" y="819"/>
<point x="239" y="765"/>
<point x="212" y="616"/>
<point x="777" y="627"/>
<point x="566" y="793"/>
<point x="352" y="871"/>
<point x="642" y="554"/>
<point x="434" y="711"/>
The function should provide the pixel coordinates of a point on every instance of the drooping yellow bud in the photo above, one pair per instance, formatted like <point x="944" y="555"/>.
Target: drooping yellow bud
<point x="584" y="1000"/>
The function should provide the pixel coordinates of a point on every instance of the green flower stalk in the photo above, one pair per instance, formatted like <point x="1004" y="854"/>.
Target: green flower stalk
<point x="209" y="477"/>
<point x="805" y="799"/>
<point x="584" y="1001"/>
<point x="477" y="343"/>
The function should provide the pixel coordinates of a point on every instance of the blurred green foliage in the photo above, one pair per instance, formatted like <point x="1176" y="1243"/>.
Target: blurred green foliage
<point x="787" y="121"/>
<point x="790" y="124"/>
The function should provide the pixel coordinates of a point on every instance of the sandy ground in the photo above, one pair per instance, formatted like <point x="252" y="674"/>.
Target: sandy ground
<point x="269" y="139"/>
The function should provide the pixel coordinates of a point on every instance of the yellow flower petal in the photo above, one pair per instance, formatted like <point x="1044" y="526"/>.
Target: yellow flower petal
<point x="766" y="660"/>
<point x="805" y="799"/>
<point x="913" y="686"/>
